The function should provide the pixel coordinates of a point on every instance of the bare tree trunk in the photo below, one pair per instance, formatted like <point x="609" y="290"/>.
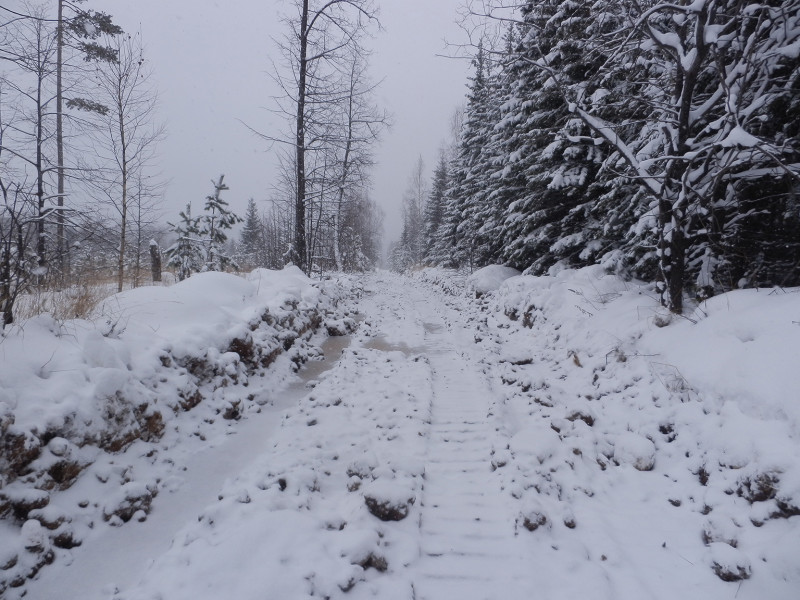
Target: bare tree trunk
<point x="299" y="249"/>
<point x="124" y="199"/>
<point x="41" y="247"/>
<point x="137" y="268"/>
<point x="60" y="241"/>
<point x="321" y="34"/>
<point x="6" y="300"/>
<point x="343" y="182"/>
<point x="337" y="252"/>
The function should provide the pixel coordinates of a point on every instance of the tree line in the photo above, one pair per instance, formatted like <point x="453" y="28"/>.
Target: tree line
<point x="320" y="215"/>
<point x="657" y="139"/>
<point x="78" y="135"/>
<point x="79" y="132"/>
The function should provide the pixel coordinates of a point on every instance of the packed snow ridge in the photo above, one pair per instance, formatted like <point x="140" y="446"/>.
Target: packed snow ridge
<point x="497" y="436"/>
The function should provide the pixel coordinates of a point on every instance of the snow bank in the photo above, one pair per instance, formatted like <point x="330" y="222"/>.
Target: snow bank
<point x="675" y="437"/>
<point x="55" y="372"/>
<point x="73" y="391"/>
<point x="490" y="278"/>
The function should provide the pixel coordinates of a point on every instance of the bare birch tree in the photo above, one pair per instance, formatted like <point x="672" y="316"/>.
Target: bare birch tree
<point x="30" y="52"/>
<point x="76" y="28"/>
<point x="127" y="137"/>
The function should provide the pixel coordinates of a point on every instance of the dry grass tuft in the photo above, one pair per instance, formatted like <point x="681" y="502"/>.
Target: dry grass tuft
<point x="74" y="302"/>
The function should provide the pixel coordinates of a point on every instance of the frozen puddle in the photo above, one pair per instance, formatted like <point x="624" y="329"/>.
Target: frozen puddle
<point x="381" y="344"/>
<point x="332" y="349"/>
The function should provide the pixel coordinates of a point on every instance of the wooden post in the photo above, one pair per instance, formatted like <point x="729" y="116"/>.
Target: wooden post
<point x="155" y="261"/>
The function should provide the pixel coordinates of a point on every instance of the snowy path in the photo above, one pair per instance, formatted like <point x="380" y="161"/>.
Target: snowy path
<point x="468" y="544"/>
<point x="494" y="494"/>
<point x="469" y="548"/>
<point x="460" y="542"/>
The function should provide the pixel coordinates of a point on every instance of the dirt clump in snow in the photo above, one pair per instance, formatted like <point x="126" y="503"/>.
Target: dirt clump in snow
<point x="18" y="501"/>
<point x="729" y="563"/>
<point x="374" y="561"/>
<point x="133" y="499"/>
<point x="533" y="520"/>
<point x="758" y="488"/>
<point x="388" y="509"/>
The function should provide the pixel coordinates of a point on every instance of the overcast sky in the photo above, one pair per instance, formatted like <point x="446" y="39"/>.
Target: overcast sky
<point x="211" y="61"/>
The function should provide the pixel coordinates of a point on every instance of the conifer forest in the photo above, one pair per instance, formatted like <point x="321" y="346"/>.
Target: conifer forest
<point x="657" y="139"/>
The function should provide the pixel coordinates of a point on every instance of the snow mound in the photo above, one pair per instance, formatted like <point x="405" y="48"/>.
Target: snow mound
<point x="75" y="395"/>
<point x="540" y="445"/>
<point x="490" y="278"/>
<point x="388" y="500"/>
<point x="635" y="450"/>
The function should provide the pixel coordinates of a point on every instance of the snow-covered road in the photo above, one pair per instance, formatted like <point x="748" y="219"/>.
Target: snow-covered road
<point x="469" y="548"/>
<point x="406" y="473"/>
<point x="468" y="540"/>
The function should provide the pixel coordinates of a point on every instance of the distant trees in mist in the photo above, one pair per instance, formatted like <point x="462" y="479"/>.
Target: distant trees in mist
<point x="333" y="124"/>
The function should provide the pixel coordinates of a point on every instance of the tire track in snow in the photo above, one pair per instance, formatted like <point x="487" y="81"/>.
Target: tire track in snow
<point x="469" y="549"/>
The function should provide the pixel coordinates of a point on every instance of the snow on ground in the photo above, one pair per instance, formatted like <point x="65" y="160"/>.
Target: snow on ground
<point x="657" y="458"/>
<point x="299" y="522"/>
<point x="489" y="278"/>
<point x="121" y="403"/>
<point x="560" y="437"/>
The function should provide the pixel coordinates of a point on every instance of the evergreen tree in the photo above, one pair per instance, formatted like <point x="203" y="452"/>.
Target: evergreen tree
<point x="712" y="154"/>
<point x="434" y="209"/>
<point x="201" y="243"/>
<point x="216" y="221"/>
<point x="655" y="138"/>
<point x="412" y="241"/>
<point x="456" y="240"/>
<point x="186" y="254"/>
<point x="360" y="241"/>
<point x="482" y="214"/>
<point x="252" y="239"/>
<point x="747" y="232"/>
<point x="550" y="157"/>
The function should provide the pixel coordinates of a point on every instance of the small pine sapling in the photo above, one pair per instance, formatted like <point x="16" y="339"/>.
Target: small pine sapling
<point x="186" y="254"/>
<point x="217" y="219"/>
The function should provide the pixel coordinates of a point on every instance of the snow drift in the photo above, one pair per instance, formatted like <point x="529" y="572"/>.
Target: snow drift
<point x="73" y="391"/>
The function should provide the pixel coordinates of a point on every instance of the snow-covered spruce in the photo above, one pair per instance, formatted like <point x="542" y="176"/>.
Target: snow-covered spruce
<point x="75" y="394"/>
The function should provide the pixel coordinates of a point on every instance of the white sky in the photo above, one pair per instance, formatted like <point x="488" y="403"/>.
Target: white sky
<point x="211" y="61"/>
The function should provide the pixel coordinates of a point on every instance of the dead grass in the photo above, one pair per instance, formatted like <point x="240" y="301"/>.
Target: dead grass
<point x="74" y="302"/>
